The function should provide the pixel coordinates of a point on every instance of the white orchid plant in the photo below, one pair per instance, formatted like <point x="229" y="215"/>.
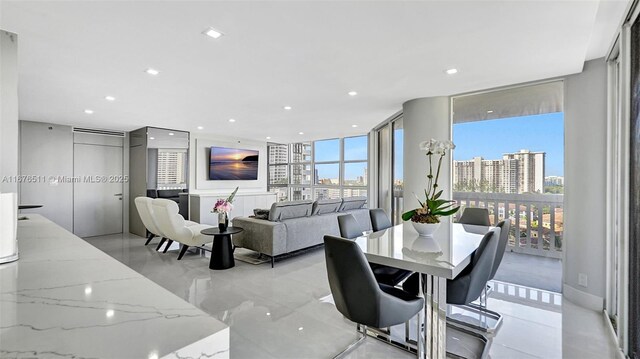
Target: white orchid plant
<point x="433" y="207"/>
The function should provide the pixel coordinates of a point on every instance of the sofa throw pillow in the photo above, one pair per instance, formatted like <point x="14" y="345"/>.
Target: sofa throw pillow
<point x="287" y="210"/>
<point x="323" y="206"/>
<point x="350" y="203"/>
<point x="259" y="213"/>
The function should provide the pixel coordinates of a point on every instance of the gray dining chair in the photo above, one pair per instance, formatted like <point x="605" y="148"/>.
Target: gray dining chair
<point x="505" y="227"/>
<point x="475" y="216"/>
<point x="349" y="226"/>
<point x="350" y="229"/>
<point x="385" y="274"/>
<point x="379" y="219"/>
<point x="357" y="294"/>
<point x="471" y="282"/>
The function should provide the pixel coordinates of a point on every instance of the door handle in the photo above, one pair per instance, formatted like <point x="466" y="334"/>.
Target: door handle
<point x="118" y="194"/>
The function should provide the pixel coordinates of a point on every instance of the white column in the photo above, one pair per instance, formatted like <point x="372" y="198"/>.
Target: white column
<point x="8" y="110"/>
<point x="423" y="119"/>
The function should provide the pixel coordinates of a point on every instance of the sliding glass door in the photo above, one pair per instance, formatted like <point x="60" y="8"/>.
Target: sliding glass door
<point x="389" y="161"/>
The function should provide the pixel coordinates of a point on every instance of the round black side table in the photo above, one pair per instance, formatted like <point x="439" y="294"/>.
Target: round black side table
<point x="222" y="248"/>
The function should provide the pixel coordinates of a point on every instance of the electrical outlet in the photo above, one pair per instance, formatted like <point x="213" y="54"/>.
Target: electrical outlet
<point x="582" y="279"/>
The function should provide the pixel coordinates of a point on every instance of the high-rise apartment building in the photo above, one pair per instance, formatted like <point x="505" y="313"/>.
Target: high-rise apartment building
<point x="171" y="168"/>
<point x="518" y="172"/>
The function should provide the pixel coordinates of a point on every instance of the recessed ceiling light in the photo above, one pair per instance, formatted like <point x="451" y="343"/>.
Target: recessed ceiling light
<point x="352" y="93"/>
<point x="268" y="313"/>
<point x="232" y="120"/>
<point x="490" y="111"/>
<point x="200" y="128"/>
<point x="88" y="290"/>
<point x="88" y="112"/>
<point x="300" y="329"/>
<point x="301" y="133"/>
<point x="211" y="32"/>
<point x="451" y="71"/>
<point x="287" y="108"/>
<point x="151" y="71"/>
<point x="354" y="126"/>
<point x="109" y="98"/>
<point x="171" y="133"/>
<point x="152" y="138"/>
<point x="268" y="137"/>
<point x="110" y="313"/>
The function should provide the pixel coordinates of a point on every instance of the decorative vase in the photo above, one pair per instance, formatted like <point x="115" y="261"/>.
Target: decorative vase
<point x="425" y="229"/>
<point x="223" y="221"/>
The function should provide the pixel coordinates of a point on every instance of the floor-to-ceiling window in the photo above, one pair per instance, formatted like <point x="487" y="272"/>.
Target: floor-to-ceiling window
<point x="509" y="159"/>
<point x="323" y="169"/>
<point x="389" y="161"/>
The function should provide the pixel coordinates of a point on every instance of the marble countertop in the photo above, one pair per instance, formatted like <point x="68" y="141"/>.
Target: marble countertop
<point x="66" y="298"/>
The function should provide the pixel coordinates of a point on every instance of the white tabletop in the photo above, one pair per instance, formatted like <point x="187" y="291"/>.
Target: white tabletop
<point x="66" y="298"/>
<point x="445" y="255"/>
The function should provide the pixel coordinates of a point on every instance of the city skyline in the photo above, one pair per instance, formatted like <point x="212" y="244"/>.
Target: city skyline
<point x="491" y="139"/>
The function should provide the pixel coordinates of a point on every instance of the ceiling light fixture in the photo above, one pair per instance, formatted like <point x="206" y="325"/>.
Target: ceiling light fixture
<point x="301" y="133"/>
<point x="110" y="313"/>
<point x="451" y="71"/>
<point x="88" y="112"/>
<point x="171" y="133"/>
<point x="152" y="138"/>
<point x="109" y="98"/>
<point x="200" y="128"/>
<point x="354" y="126"/>
<point x="490" y="111"/>
<point x="211" y="32"/>
<point x="287" y="108"/>
<point x="88" y="290"/>
<point x="352" y="93"/>
<point x="268" y="137"/>
<point x="151" y="71"/>
<point x="232" y="120"/>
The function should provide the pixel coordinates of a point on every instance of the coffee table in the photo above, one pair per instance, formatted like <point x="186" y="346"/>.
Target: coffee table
<point x="222" y="248"/>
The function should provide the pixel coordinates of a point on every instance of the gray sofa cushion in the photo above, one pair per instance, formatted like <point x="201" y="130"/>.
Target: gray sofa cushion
<point x="287" y="210"/>
<point x="350" y="203"/>
<point x="324" y="206"/>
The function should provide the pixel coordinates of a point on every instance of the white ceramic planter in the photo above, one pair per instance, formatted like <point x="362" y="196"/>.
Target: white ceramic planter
<point x="426" y="229"/>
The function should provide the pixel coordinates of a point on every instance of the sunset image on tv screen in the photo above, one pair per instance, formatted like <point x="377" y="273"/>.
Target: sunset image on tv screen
<point x="227" y="164"/>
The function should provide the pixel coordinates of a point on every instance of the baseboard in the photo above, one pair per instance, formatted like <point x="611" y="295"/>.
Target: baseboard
<point x="583" y="299"/>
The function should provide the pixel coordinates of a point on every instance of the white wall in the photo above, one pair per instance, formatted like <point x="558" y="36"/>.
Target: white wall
<point x="8" y="110"/>
<point x="199" y="164"/>
<point x="46" y="150"/>
<point x="424" y="119"/>
<point x="585" y="184"/>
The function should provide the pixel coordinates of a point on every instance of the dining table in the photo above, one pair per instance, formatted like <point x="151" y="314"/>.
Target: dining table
<point x="437" y="258"/>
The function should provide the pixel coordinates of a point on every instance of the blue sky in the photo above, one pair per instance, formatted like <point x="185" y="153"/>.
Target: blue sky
<point x="355" y="148"/>
<point x="490" y="139"/>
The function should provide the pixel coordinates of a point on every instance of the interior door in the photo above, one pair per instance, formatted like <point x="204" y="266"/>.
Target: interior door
<point x="98" y="190"/>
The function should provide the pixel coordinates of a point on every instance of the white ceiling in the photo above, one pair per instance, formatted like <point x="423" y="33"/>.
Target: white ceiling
<point x="304" y="54"/>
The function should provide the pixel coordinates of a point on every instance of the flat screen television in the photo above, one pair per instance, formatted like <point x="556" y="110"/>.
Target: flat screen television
<point x="233" y="164"/>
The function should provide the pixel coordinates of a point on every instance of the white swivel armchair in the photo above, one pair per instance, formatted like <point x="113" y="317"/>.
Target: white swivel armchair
<point x="145" y="210"/>
<point x="174" y="227"/>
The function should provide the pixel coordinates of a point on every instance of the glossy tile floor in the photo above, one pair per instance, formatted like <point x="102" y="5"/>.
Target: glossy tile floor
<point x="284" y="312"/>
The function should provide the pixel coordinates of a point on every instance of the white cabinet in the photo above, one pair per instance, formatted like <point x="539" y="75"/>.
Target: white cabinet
<point x="201" y="205"/>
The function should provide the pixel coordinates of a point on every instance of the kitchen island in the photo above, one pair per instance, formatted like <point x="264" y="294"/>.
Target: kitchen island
<point x="66" y="298"/>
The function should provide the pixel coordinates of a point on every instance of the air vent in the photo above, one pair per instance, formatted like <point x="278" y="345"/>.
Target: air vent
<point x="94" y="131"/>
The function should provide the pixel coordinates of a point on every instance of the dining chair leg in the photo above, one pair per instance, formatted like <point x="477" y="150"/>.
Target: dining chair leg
<point x="151" y="236"/>
<point x="183" y="250"/>
<point x="160" y="244"/>
<point x="168" y="245"/>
